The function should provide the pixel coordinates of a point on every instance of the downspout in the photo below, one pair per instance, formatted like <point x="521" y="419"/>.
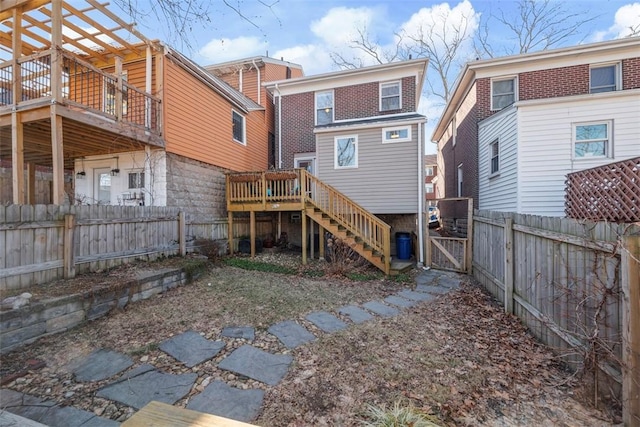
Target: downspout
<point x="259" y="87"/>
<point x="279" y="127"/>
<point x="420" y="197"/>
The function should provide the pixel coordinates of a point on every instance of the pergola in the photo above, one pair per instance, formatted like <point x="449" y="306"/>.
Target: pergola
<point x="48" y="115"/>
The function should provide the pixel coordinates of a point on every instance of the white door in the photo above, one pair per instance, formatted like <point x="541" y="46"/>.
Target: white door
<point x="102" y="186"/>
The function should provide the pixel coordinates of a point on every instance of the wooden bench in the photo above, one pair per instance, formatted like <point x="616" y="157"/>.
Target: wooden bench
<point x="157" y="414"/>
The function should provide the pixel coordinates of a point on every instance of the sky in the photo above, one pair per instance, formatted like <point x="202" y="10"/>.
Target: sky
<point x="306" y="32"/>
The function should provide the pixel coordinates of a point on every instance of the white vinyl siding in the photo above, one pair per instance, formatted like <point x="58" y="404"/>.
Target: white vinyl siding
<point x="546" y="149"/>
<point x="498" y="192"/>
<point x="386" y="180"/>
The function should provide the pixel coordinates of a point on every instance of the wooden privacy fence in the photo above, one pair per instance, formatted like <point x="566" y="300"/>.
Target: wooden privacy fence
<point x="42" y="243"/>
<point x="570" y="282"/>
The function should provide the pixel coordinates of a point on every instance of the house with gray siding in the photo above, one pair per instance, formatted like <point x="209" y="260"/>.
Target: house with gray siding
<point x="359" y="131"/>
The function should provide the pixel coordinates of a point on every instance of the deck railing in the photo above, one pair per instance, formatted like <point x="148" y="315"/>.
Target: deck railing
<point x="83" y="86"/>
<point x="299" y="187"/>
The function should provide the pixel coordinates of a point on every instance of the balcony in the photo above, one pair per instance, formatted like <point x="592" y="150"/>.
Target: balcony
<point x="83" y="88"/>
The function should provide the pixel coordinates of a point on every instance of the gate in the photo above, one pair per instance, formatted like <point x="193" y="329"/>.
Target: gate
<point x="449" y="247"/>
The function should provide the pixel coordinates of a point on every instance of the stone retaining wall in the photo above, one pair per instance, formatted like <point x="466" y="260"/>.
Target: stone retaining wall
<point x="38" y="319"/>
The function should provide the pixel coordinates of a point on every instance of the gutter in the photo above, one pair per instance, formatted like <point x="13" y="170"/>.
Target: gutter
<point x="420" y="197"/>
<point x="259" y="86"/>
<point x="279" y="126"/>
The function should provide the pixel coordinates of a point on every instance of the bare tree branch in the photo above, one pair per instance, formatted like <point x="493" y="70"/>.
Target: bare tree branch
<point x="538" y="25"/>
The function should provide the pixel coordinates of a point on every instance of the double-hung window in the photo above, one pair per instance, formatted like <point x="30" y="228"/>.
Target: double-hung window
<point x="603" y="78"/>
<point x="324" y="107"/>
<point x="503" y="92"/>
<point x="592" y="140"/>
<point x="346" y="152"/>
<point x="238" y="127"/>
<point x="494" y="153"/>
<point x="390" y="96"/>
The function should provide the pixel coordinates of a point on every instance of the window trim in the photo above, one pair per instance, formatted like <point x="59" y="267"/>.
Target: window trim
<point x="391" y="140"/>
<point x="617" y="74"/>
<point x="608" y="148"/>
<point x="501" y="79"/>
<point x="429" y="185"/>
<point x="139" y="179"/>
<point x="494" y="143"/>
<point x="426" y="169"/>
<point x="244" y="128"/>
<point x="394" y="82"/>
<point x="333" y="106"/>
<point x="335" y="152"/>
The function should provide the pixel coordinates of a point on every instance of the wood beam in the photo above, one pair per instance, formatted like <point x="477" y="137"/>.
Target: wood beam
<point x="303" y="217"/>
<point x="57" y="153"/>
<point x="17" y="158"/>
<point x="6" y="6"/>
<point x="16" y="45"/>
<point x="230" y="231"/>
<point x="252" y="231"/>
<point x="31" y="183"/>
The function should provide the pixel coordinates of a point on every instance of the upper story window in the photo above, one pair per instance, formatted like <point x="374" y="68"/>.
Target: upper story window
<point x="494" y="154"/>
<point x="390" y="96"/>
<point x="397" y="134"/>
<point x="346" y="152"/>
<point x="428" y="171"/>
<point x="324" y="107"/>
<point x="592" y="140"/>
<point x="503" y="92"/>
<point x="603" y="78"/>
<point x="238" y="127"/>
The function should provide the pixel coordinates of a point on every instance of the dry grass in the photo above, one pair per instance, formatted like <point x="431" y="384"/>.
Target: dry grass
<point x="460" y="360"/>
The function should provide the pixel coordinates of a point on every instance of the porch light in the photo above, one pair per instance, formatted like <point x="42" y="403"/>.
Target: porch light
<point x="116" y="171"/>
<point x="81" y="174"/>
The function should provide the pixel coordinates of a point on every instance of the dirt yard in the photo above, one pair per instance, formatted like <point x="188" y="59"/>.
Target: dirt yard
<point x="459" y="359"/>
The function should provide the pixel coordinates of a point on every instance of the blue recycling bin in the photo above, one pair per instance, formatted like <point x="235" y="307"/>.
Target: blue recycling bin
<point x="403" y="245"/>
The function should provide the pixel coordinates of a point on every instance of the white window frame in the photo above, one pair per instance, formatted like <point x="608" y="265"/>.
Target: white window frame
<point x="617" y="75"/>
<point x="333" y="106"/>
<point x="429" y="188"/>
<point x="608" y="147"/>
<point x="428" y="171"/>
<point x="495" y="143"/>
<point x="390" y="139"/>
<point x="515" y="90"/>
<point x="244" y="127"/>
<point x="399" y="95"/>
<point x="335" y="152"/>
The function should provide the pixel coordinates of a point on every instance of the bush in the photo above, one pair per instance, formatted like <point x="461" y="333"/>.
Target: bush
<point x="209" y="248"/>
<point x="342" y="258"/>
<point x="398" y="416"/>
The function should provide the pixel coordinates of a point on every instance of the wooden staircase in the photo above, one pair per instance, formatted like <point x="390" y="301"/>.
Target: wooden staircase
<point x="298" y="190"/>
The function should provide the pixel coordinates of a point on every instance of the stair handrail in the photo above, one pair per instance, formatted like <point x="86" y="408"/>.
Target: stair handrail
<point x="347" y="213"/>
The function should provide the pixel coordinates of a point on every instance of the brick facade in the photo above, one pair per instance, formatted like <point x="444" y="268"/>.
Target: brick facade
<point x="350" y="102"/>
<point x="631" y="73"/>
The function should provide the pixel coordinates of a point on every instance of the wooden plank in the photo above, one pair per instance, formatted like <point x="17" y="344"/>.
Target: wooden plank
<point x="303" y="218"/>
<point x="568" y="238"/>
<point x="631" y="331"/>
<point x="68" y="260"/>
<point x="182" y="235"/>
<point x="446" y="253"/>
<point x="159" y="414"/>
<point x="508" y="265"/>
<point x="30" y="268"/>
<point x="468" y="257"/>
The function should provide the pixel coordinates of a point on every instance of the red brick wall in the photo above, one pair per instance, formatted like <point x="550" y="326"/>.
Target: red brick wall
<point x="298" y="122"/>
<point x="631" y="73"/>
<point x="554" y="82"/>
<point x="358" y="101"/>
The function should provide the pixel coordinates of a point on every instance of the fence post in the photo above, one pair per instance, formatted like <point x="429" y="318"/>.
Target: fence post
<point x="182" y="234"/>
<point x="508" y="265"/>
<point x="68" y="255"/>
<point x="631" y="331"/>
<point x="469" y="252"/>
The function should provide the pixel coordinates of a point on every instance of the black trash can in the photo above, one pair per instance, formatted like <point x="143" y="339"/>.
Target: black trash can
<point x="403" y="245"/>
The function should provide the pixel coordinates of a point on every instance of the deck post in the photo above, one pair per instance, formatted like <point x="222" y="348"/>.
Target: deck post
<point x="303" y="215"/>
<point x="252" y="225"/>
<point x="17" y="158"/>
<point x="312" y="239"/>
<point x="230" y="231"/>
<point x="31" y="183"/>
<point x="321" y="243"/>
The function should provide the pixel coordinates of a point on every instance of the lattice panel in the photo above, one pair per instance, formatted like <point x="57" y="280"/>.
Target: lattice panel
<point x="605" y="193"/>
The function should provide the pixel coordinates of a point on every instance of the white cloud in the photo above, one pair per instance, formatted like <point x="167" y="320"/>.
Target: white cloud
<point x="440" y="24"/>
<point x="626" y="17"/>
<point x="315" y="59"/>
<point x="225" y="49"/>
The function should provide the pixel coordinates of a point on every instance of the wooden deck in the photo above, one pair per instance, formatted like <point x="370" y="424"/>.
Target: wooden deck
<point x="298" y="190"/>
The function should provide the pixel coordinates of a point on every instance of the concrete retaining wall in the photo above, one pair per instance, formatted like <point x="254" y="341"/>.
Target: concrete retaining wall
<point x="36" y="320"/>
